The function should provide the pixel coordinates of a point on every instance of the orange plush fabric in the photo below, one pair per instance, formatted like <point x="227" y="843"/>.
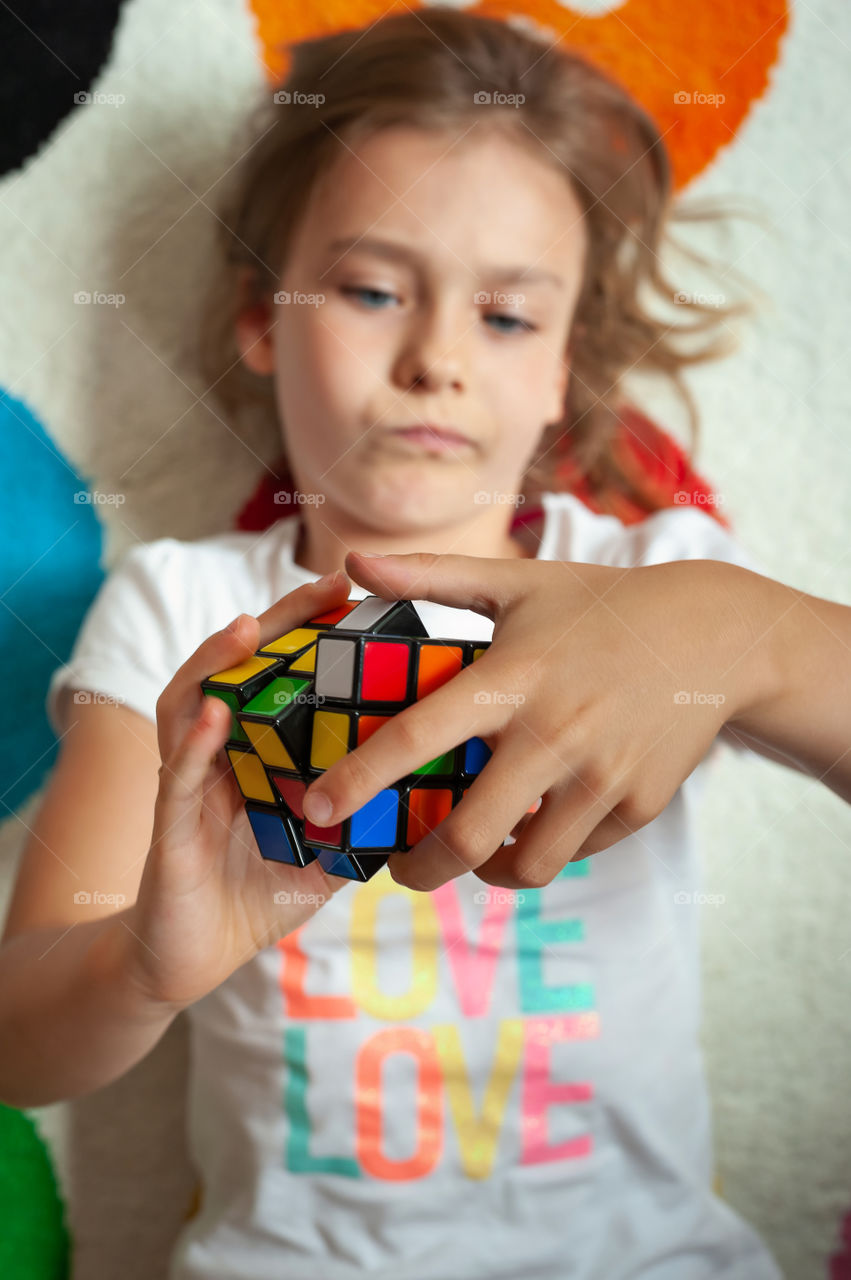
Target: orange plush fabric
<point x="697" y="69"/>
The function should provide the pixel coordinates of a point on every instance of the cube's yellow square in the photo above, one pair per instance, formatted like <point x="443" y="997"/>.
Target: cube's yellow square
<point x="330" y="741"/>
<point x="289" y="643"/>
<point x="305" y="664"/>
<point x="250" y="775"/>
<point x="244" y="671"/>
<point x="268" y="745"/>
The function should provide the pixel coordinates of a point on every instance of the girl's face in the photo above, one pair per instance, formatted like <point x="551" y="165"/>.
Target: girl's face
<point x="402" y="303"/>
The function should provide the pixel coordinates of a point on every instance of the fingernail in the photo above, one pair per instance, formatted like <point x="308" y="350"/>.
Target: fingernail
<point x="317" y="808"/>
<point x="328" y="578"/>
<point x="232" y="626"/>
<point x="372" y="555"/>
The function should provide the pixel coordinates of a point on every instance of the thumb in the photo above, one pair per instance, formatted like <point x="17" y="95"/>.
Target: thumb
<point x="479" y="583"/>
<point x="183" y="777"/>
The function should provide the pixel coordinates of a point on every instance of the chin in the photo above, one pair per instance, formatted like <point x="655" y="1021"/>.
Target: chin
<point x="405" y="521"/>
<point x="405" y="503"/>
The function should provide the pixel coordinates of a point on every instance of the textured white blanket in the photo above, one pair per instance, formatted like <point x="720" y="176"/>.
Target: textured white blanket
<point x="118" y="201"/>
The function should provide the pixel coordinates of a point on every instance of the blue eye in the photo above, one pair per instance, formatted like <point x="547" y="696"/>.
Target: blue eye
<point x="359" y="291"/>
<point x="525" y="326"/>
<point x="363" y="291"/>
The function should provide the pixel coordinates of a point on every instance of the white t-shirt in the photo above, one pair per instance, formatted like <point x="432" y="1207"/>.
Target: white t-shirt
<point x="469" y="1084"/>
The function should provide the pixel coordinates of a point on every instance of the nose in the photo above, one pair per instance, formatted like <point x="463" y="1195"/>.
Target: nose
<point x="433" y="357"/>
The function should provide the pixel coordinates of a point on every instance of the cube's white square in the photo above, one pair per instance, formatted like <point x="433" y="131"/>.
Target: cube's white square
<point x="365" y="615"/>
<point x="335" y="667"/>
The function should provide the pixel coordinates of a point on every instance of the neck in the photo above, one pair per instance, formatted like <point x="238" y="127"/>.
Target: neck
<point x="321" y="546"/>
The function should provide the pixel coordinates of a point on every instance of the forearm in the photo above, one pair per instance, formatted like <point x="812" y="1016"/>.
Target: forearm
<point x="72" y="1015"/>
<point x="793" y="659"/>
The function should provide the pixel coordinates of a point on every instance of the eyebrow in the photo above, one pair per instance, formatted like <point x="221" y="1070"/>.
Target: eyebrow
<point x="395" y="252"/>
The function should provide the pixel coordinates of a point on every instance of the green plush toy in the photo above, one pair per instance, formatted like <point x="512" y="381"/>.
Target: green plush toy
<point x="33" y="1236"/>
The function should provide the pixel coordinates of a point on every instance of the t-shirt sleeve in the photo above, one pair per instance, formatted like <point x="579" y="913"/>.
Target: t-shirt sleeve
<point x="131" y="640"/>
<point x="677" y="533"/>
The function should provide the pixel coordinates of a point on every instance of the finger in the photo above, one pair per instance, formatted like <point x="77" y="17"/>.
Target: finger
<point x="469" y="582"/>
<point x="301" y="604"/>
<point x="416" y="735"/>
<point x="477" y="826"/>
<point x="520" y="826"/>
<point x="184" y="775"/>
<point x="180" y="701"/>
<point x="566" y="820"/>
<point x="621" y="822"/>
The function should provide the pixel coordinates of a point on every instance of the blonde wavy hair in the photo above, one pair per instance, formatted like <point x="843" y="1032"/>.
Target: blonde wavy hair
<point x="424" y="70"/>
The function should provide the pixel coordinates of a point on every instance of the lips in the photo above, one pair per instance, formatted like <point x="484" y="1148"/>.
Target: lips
<point x="425" y="431"/>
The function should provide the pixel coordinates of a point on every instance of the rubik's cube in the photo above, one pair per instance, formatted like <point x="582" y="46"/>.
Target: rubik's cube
<point x="306" y="699"/>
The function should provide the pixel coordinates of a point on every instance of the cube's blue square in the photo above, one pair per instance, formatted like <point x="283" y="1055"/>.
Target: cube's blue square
<point x="375" y="825"/>
<point x="476" y="755"/>
<point x="272" y="836"/>
<point x="336" y="864"/>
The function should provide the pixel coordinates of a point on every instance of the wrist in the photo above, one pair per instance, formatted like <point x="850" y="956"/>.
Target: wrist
<point x="758" y="648"/>
<point x="117" y="968"/>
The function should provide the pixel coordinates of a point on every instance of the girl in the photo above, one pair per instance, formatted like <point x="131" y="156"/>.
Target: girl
<point x="443" y="240"/>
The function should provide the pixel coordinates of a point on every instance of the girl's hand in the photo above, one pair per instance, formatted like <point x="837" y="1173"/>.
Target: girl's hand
<point x="207" y="899"/>
<point x="581" y="697"/>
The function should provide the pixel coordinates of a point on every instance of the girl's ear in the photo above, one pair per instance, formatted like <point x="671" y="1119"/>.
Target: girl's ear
<point x="253" y="325"/>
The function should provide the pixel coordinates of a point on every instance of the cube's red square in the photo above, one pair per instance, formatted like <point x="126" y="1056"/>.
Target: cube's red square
<point x="333" y="835"/>
<point x="427" y="806"/>
<point x="333" y="616"/>
<point x="367" y="726"/>
<point x="385" y="672"/>
<point x="292" y="790"/>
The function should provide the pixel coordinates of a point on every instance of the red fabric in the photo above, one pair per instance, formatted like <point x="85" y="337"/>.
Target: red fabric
<point x="655" y="463"/>
<point x="649" y="456"/>
<point x="840" y="1263"/>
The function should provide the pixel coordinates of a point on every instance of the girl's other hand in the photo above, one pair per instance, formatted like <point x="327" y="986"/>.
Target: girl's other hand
<point x="586" y="697"/>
